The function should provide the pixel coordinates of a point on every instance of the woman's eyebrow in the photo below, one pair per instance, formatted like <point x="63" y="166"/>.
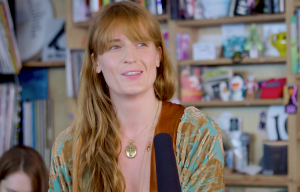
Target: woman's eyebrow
<point x="115" y="40"/>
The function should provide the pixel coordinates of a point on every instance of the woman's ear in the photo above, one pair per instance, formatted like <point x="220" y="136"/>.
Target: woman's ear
<point x="98" y="69"/>
<point x="158" y="57"/>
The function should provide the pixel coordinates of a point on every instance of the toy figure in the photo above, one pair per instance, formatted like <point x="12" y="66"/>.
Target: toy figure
<point x="252" y="86"/>
<point x="253" y="42"/>
<point x="262" y="125"/>
<point x="224" y="92"/>
<point x="237" y="88"/>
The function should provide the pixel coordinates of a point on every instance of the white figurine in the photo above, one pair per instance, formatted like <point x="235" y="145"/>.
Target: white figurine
<point x="224" y="92"/>
<point x="237" y="87"/>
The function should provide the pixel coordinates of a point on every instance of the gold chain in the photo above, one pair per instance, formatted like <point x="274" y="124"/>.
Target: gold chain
<point x="143" y="129"/>
<point x="148" y="148"/>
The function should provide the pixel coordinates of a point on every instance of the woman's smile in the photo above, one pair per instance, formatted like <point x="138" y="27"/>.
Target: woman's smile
<point x="135" y="74"/>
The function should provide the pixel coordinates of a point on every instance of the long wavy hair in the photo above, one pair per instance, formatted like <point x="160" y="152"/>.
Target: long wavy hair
<point x="96" y="127"/>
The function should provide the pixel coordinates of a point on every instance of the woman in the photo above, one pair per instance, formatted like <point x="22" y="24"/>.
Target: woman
<point x="23" y="169"/>
<point x="126" y="79"/>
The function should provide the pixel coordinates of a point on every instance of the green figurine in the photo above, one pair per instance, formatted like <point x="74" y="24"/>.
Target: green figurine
<point x="253" y="42"/>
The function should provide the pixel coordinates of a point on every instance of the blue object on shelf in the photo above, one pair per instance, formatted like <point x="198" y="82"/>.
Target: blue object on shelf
<point x="232" y="45"/>
<point x="34" y="83"/>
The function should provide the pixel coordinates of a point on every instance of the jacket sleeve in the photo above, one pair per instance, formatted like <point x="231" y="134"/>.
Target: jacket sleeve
<point x="60" y="178"/>
<point x="199" y="153"/>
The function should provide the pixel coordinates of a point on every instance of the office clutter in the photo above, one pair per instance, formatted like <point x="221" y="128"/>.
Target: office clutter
<point x="239" y="144"/>
<point x="200" y="83"/>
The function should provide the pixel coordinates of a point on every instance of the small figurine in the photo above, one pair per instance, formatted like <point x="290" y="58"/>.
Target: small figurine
<point x="224" y="92"/>
<point x="252" y="87"/>
<point x="253" y="42"/>
<point x="237" y="88"/>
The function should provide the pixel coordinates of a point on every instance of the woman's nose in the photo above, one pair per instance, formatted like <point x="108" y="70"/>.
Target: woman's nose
<point x="130" y="54"/>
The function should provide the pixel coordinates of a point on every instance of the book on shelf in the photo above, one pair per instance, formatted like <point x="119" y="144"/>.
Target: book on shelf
<point x="295" y="35"/>
<point x="183" y="42"/>
<point x="10" y="61"/>
<point x="38" y="126"/>
<point x="36" y="113"/>
<point x="85" y="10"/>
<point x="34" y="82"/>
<point x="73" y="68"/>
<point x="10" y="112"/>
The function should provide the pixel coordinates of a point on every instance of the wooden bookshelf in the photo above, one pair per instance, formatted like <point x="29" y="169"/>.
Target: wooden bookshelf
<point x="237" y="19"/>
<point x="160" y="18"/>
<point x="226" y="61"/>
<point x="244" y="103"/>
<point x="44" y="64"/>
<point x="297" y="4"/>
<point x="256" y="180"/>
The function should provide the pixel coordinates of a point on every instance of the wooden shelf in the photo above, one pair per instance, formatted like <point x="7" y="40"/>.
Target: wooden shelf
<point x="256" y="180"/>
<point x="160" y="18"/>
<point x="226" y="61"/>
<point x="297" y="4"/>
<point x="237" y="19"/>
<point x="245" y="103"/>
<point x="44" y="64"/>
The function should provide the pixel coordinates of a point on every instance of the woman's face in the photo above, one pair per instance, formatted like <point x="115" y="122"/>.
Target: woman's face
<point x="16" y="182"/>
<point x="129" y="68"/>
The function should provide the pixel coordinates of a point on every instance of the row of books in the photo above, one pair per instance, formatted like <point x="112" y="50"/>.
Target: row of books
<point x="202" y="9"/>
<point x="10" y="112"/>
<point x="25" y="112"/>
<point x="84" y="10"/>
<point x="10" y="61"/>
<point x="37" y="129"/>
<point x="73" y="68"/>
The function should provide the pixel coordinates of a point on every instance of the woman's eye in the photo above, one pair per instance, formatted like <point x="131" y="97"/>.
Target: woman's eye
<point x="142" y="44"/>
<point x="114" y="47"/>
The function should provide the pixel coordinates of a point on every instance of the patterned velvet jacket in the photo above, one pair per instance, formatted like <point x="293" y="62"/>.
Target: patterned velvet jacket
<point x="197" y="144"/>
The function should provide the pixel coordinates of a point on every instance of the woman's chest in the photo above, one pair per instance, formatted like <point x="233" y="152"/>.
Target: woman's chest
<point x="136" y="171"/>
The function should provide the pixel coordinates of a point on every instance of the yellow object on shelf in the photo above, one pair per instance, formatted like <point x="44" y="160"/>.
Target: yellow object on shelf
<point x="279" y="43"/>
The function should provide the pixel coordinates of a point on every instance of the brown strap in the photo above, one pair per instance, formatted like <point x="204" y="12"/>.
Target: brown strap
<point x="168" y="123"/>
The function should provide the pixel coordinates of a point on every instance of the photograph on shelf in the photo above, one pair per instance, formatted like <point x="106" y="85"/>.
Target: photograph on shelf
<point x="216" y="83"/>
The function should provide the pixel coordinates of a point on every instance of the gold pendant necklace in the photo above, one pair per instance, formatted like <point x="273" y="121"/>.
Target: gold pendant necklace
<point x="131" y="150"/>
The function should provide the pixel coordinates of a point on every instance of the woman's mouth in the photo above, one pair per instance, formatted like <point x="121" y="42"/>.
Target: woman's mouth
<point x="133" y="73"/>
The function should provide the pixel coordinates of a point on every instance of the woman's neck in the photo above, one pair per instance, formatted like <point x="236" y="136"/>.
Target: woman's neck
<point x="134" y="113"/>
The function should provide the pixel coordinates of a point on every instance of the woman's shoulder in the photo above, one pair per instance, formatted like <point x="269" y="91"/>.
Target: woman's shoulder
<point x="199" y="121"/>
<point x="62" y="146"/>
